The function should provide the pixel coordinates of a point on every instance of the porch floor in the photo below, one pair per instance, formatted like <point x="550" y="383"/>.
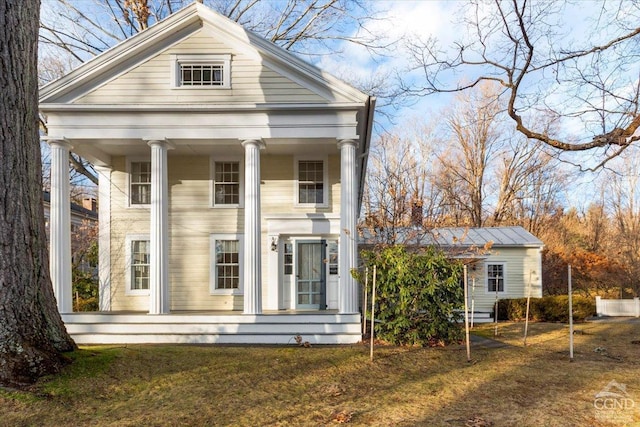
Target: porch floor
<point x="211" y="327"/>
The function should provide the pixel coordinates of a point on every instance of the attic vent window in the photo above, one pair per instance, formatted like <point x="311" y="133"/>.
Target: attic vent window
<point x="201" y="75"/>
<point x="201" y="71"/>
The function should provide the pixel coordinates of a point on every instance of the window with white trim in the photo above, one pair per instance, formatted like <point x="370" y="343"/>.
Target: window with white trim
<point x="201" y="71"/>
<point x="495" y="277"/>
<point x="311" y="182"/>
<point x="138" y="264"/>
<point x="226" y="274"/>
<point x="226" y="183"/>
<point x="140" y="183"/>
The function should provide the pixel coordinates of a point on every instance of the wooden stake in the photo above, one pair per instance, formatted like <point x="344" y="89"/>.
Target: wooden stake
<point x="570" y="317"/>
<point x="473" y="299"/>
<point x="466" y="316"/>
<point x="495" y="331"/>
<point x="373" y="305"/>
<point x="526" y="319"/>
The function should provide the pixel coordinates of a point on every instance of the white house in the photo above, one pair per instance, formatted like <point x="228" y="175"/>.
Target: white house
<point x="231" y="175"/>
<point x="502" y="262"/>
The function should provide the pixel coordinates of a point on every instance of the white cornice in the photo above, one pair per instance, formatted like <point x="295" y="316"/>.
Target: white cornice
<point x="203" y="107"/>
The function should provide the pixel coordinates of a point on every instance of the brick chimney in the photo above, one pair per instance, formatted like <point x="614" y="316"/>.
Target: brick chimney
<point x="90" y="203"/>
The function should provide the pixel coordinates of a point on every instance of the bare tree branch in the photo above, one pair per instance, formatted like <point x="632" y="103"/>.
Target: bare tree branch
<point x="524" y="46"/>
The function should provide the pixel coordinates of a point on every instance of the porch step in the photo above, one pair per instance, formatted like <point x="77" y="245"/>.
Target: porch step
<point x="111" y="328"/>
<point x="481" y="317"/>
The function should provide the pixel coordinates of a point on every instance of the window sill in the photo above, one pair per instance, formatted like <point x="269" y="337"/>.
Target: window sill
<point x="227" y="207"/>
<point x="136" y="293"/>
<point x="228" y="292"/>
<point x="205" y="87"/>
<point x="311" y="205"/>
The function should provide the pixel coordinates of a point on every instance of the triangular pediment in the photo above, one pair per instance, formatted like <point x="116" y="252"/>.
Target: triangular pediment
<point x="141" y="70"/>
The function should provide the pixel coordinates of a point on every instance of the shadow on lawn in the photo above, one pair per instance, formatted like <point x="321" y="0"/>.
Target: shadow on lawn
<point x="290" y="385"/>
<point x="542" y="387"/>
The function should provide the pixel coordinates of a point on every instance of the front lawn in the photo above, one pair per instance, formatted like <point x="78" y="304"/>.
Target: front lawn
<point x="297" y="386"/>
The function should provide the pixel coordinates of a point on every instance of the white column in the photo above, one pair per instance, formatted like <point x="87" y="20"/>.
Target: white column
<point x="104" y="236"/>
<point x="348" y="251"/>
<point x="159" y="230"/>
<point x="252" y="233"/>
<point x="60" y="226"/>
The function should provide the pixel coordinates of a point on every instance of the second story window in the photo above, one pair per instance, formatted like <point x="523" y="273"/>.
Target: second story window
<point x="227" y="182"/>
<point x="140" y="183"/>
<point x="311" y="185"/>
<point x="226" y="185"/>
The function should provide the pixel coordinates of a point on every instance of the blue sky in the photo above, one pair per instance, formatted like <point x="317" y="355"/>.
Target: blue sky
<point x="411" y="20"/>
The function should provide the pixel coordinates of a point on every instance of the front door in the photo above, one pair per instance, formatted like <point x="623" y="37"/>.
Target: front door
<point x="311" y="275"/>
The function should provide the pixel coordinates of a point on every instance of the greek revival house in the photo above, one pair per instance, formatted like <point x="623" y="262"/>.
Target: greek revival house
<point x="231" y="175"/>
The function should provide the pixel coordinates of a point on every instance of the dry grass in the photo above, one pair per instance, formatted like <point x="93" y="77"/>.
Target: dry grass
<point x="295" y="386"/>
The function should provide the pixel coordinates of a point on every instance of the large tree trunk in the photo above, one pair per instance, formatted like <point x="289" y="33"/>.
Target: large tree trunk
<point x="32" y="335"/>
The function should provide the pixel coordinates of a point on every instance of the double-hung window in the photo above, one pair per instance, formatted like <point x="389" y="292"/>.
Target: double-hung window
<point x="140" y="183"/>
<point x="137" y="252"/>
<point x="226" y="263"/>
<point x="311" y="182"/>
<point x="227" y="183"/>
<point x="495" y="277"/>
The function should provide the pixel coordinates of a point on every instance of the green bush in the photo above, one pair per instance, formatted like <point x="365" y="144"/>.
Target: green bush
<point x="547" y="309"/>
<point x="85" y="283"/>
<point x="417" y="296"/>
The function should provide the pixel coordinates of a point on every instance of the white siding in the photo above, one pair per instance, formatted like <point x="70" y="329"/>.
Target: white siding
<point x="193" y="220"/>
<point x="520" y="264"/>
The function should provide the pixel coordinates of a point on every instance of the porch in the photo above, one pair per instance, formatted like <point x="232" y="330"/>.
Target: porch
<point x="213" y="327"/>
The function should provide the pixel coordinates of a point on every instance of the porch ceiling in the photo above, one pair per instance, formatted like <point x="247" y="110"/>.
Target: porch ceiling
<point x="100" y="151"/>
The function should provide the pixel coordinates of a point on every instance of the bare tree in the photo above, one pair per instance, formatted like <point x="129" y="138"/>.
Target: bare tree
<point x="536" y="208"/>
<point x="529" y="183"/>
<point x="32" y="335"/>
<point x="624" y="202"/>
<point x="473" y="125"/>
<point x="310" y="27"/>
<point x="586" y="77"/>
<point x="394" y="193"/>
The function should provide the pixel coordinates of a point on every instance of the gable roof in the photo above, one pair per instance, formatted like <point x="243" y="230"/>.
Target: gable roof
<point x="466" y="237"/>
<point x="499" y="237"/>
<point x="176" y="27"/>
